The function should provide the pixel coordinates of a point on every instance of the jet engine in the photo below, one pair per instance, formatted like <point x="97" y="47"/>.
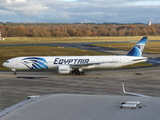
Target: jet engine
<point x="64" y="69"/>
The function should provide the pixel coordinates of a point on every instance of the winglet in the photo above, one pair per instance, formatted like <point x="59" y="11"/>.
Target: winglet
<point x="138" y="48"/>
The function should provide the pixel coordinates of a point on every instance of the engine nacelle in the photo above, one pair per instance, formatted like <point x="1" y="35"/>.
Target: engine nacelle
<point x="64" y="69"/>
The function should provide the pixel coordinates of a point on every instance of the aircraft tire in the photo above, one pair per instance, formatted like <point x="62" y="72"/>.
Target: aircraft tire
<point x="77" y="73"/>
<point x="83" y="73"/>
<point x="73" y="71"/>
<point x="14" y="73"/>
<point x="80" y="73"/>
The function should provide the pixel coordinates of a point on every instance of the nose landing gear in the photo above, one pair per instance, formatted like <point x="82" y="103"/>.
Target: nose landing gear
<point x="14" y="71"/>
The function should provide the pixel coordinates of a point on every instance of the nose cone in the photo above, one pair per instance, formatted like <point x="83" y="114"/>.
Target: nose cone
<point x="6" y="64"/>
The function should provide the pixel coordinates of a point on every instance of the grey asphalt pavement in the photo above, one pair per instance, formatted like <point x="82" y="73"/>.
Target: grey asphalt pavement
<point x="16" y="88"/>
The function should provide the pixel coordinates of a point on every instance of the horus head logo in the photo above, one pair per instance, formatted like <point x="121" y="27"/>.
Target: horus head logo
<point x="140" y="46"/>
<point x="35" y="63"/>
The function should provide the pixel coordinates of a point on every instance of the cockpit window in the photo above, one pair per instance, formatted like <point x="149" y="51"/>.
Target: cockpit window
<point x="7" y="61"/>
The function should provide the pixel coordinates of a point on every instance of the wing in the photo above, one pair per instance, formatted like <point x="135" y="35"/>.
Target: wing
<point x="90" y="64"/>
<point x="84" y="65"/>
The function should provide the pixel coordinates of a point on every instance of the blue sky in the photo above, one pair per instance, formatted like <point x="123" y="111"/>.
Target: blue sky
<point x="71" y="11"/>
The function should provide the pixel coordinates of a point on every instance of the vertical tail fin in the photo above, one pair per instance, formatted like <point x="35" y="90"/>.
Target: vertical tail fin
<point x="138" y="48"/>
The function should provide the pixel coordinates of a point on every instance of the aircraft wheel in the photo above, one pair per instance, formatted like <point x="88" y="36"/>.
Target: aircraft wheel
<point x="80" y="73"/>
<point x="73" y="71"/>
<point x="14" y="73"/>
<point x="83" y="73"/>
<point x="77" y="73"/>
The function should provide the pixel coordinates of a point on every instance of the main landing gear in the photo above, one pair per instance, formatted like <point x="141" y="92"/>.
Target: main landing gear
<point x="14" y="71"/>
<point x="78" y="72"/>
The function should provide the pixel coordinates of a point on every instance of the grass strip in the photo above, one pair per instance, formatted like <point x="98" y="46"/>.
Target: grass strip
<point x="151" y="47"/>
<point x="31" y="40"/>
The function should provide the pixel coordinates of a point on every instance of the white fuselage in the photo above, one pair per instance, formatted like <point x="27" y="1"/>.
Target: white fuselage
<point x="84" y="62"/>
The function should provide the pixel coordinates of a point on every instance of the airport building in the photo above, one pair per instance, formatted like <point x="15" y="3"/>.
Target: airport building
<point x="84" y="107"/>
<point x="1" y="36"/>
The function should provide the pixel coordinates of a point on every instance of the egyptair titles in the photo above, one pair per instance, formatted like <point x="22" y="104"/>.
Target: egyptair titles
<point x="70" y="61"/>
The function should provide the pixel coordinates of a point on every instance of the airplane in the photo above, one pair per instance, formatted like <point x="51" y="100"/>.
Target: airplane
<point x="76" y="64"/>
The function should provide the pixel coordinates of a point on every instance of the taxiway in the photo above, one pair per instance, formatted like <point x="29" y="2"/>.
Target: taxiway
<point x="16" y="88"/>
